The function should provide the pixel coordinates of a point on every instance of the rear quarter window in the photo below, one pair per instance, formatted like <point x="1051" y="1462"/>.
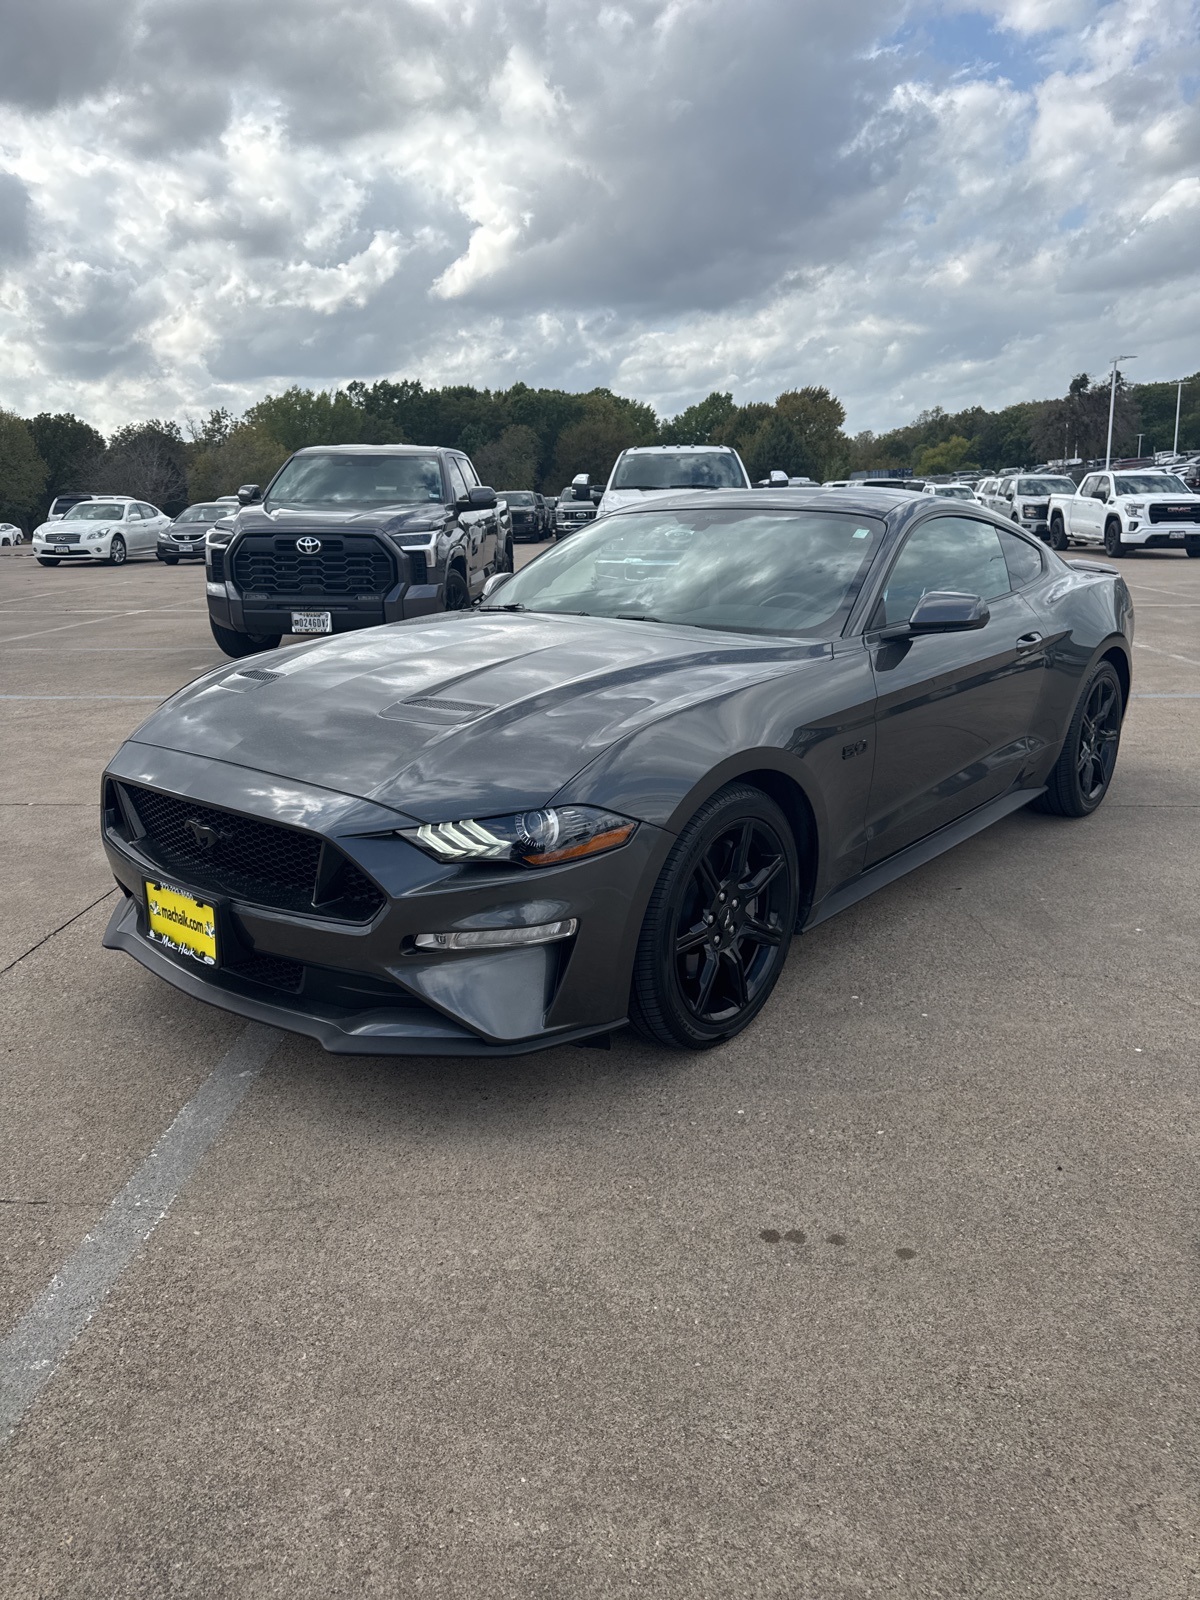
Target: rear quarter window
<point x="1023" y="559"/>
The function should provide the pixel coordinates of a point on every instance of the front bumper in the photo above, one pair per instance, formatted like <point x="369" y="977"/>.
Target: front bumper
<point x="97" y="550"/>
<point x="356" y="988"/>
<point x="172" y="550"/>
<point x="1162" y="535"/>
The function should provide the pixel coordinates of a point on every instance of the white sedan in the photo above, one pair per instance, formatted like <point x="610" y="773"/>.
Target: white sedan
<point x="10" y="533"/>
<point x="109" y="530"/>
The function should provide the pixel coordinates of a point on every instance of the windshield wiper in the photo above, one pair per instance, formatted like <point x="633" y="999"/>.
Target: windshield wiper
<point x="636" y="616"/>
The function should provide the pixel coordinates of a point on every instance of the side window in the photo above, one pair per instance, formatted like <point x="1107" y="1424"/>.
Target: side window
<point x="458" y="482"/>
<point x="1104" y="487"/>
<point x="133" y="512"/>
<point x="1005" y="487"/>
<point x="946" y="553"/>
<point x="1088" y="485"/>
<point x="1024" y="560"/>
<point x="468" y="471"/>
<point x="148" y="513"/>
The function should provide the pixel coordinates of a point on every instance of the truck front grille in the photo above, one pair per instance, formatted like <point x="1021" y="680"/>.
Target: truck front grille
<point x="347" y="566"/>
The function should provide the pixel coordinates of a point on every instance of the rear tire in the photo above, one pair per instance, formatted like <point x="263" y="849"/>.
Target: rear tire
<point x="1083" y="772"/>
<point x="1193" y="547"/>
<point x="117" y="553"/>
<point x="47" y="561"/>
<point x="1114" y="545"/>
<point x="1058" y="534"/>
<point x="719" y="923"/>
<point x="237" y="644"/>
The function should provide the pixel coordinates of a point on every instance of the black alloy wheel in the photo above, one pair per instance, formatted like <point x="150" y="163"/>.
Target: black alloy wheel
<point x="719" y="923"/>
<point x="1114" y="545"/>
<point x="238" y="644"/>
<point x="455" y="595"/>
<point x="1084" y="769"/>
<point x="1058" y="534"/>
<point x="117" y="552"/>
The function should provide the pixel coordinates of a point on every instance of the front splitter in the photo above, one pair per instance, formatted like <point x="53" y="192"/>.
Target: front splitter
<point x="374" y="1032"/>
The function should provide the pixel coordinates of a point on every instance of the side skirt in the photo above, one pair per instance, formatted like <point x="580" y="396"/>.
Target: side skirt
<point x="916" y="855"/>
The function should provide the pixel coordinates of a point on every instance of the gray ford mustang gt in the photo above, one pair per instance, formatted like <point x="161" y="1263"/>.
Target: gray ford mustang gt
<point x="615" y="790"/>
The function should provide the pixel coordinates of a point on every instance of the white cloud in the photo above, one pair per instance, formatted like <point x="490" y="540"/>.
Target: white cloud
<point x="215" y="197"/>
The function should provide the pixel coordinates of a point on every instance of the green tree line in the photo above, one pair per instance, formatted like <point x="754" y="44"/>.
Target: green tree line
<point x="523" y="438"/>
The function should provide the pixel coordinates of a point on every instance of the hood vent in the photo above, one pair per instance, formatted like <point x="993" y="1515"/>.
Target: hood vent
<point x="259" y="678"/>
<point x="432" y="710"/>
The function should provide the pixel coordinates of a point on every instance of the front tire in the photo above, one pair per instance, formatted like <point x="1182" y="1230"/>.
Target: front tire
<point x="48" y="561"/>
<point x="719" y="923"/>
<point x="1114" y="545"/>
<point x="117" y="553"/>
<point x="1058" y="534"/>
<point x="238" y="644"/>
<point x="1085" y="766"/>
<point x="1193" y="547"/>
<point x="456" y="596"/>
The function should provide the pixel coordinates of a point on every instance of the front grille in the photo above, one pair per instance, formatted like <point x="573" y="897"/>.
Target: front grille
<point x="1180" y="513"/>
<point x="261" y="862"/>
<point x="64" y="538"/>
<point x="188" y="538"/>
<point x="273" y="972"/>
<point x="348" y="566"/>
<point x="1041" y="511"/>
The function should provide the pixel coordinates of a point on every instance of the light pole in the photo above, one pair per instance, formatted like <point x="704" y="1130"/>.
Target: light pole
<point x="1112" y="400"/>
<point x="1178" y="400"/>
<point x="1141" y="436"/>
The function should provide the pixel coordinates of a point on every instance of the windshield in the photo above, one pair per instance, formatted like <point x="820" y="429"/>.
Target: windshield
<point x="954" y="491"/>
<point x="745" y="571"/>
<point x="95" y="511"/>
<point x="349" y="481"/>
<point x="203" y="513"/>
<point x="714" y="469"/>
<point x="1045" y="486"/>
<point x="1150" y="483"/>
<point x="517" y="497"/>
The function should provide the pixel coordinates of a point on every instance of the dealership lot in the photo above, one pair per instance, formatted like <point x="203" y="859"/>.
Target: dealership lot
<point x="893" y="1294"/>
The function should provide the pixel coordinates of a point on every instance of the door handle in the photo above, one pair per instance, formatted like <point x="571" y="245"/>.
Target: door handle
<point x="1029" y="641"/>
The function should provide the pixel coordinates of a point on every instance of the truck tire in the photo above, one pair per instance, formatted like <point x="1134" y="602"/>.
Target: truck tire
<point x="1114" y="545"/>
<point x="455" y="595"/>
<point x="238" y="644"/>
<point x="1193" y="547"/>
<point x="1058" y="534"/>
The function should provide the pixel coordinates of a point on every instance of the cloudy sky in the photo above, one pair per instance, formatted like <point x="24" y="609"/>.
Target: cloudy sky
<point x="911" y="201"/>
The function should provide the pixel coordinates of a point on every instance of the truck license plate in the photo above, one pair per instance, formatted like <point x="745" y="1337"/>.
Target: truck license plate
<point x="312" y="621"/>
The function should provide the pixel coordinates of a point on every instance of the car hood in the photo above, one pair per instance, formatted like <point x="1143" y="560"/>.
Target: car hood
<point x="288" y="519"/>
<point x="445" y="716"/>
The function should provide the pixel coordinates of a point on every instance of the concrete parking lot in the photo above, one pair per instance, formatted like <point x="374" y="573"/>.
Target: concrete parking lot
<point x="894" y="1295"/>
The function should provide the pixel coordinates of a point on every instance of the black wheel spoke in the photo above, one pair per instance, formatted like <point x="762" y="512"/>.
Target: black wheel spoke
<point x="708" y="976"/>
<point x="710" y="884"/>
<point x="760" y="933"/>
<point x="737" y="976"/>
<point x="692" y="939"/>
<point x="754" y="886"/>
<point x="741" y="856"/>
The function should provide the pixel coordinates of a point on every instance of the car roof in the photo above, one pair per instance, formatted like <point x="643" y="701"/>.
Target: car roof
<point x="871" y="502"/>
<point x="376" y="449"/>
<point x="676" y="449"/>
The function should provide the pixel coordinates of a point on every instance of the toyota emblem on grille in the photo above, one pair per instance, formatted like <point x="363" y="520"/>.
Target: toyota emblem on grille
<point x="204" y="836"/>
<point x="308" y="547"/>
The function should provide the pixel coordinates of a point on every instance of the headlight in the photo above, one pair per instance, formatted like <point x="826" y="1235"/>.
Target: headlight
<point x="528" y="838"/>
<point x="219" y="536"/>
<point x="1134" y="510"/>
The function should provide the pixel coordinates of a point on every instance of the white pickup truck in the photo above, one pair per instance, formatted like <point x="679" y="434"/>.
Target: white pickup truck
<point x="1127" y="511"/>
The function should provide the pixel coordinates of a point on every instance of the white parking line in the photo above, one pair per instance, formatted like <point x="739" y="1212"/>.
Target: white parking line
<point x="33" y="1351"/>
<point x="1155" y="651"/>
<point x="91" y="623"/>
<point x="157" y="698"/>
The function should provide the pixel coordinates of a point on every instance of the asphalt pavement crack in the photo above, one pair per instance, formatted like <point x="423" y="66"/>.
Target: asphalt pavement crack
<point x="17" y="961"/>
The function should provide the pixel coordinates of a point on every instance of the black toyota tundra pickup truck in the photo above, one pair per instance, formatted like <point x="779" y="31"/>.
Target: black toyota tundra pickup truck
<point x="348" y="536"/>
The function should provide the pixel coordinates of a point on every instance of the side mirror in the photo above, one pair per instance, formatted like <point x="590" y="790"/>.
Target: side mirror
<point x="480" y="498"/>
<point x="778" y="480"/>
<point x="945" y="612"/>
<point x="597" y="493"/>
<point x="249" y="494"/>
<point x="496" y="581"/>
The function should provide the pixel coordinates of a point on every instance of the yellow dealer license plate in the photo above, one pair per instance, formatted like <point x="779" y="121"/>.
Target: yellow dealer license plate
<point x="182" y="923"/>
